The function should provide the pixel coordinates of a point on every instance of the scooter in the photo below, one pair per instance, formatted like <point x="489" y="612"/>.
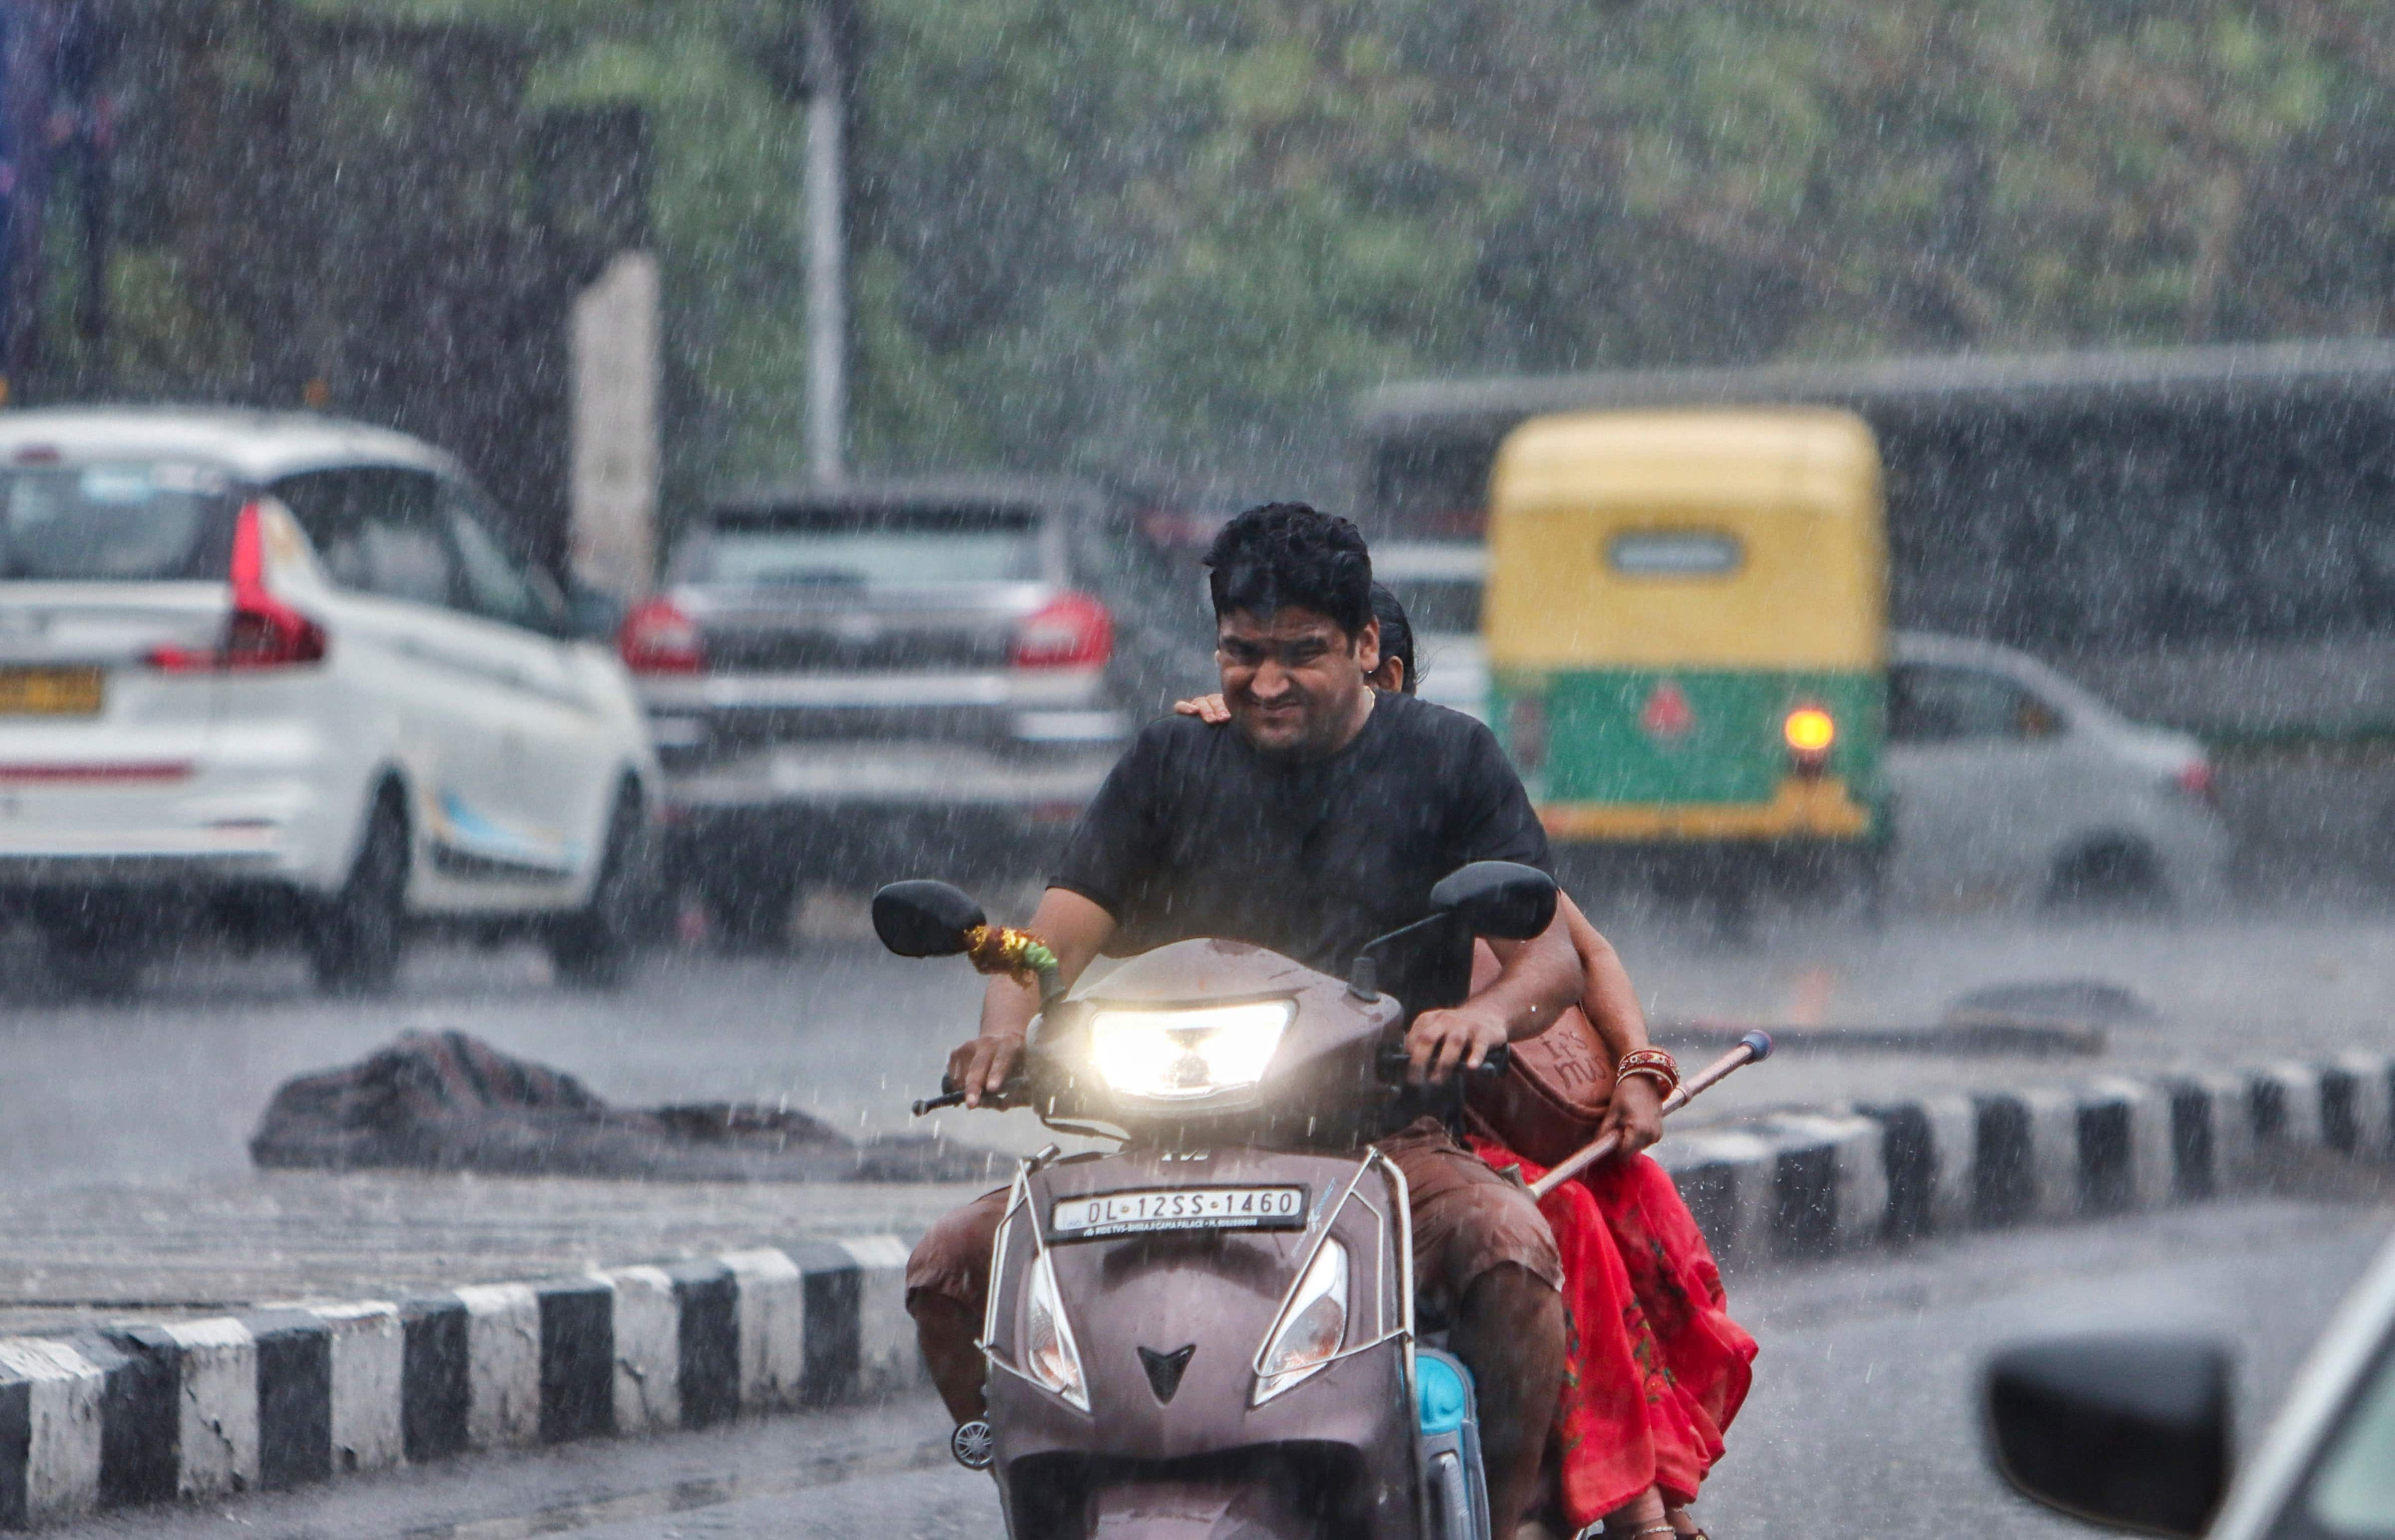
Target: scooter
<point x="1209" y="1332"/>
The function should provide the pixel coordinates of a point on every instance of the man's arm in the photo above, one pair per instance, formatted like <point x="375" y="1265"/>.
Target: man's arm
<point x="1536" y="978"/>
<point x="1536" y="981"/>
<point x="1076" y="929"/>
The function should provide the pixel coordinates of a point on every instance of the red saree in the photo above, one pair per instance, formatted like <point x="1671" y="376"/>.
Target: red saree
<point x="1657" y="1368"/>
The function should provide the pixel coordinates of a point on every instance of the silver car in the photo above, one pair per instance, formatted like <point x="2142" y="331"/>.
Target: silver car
<point x="2013" y="786"/>
<point x="832" y="674"/>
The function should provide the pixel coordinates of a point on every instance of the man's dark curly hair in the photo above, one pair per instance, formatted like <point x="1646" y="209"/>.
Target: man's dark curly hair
<point x="1289" y="554"/>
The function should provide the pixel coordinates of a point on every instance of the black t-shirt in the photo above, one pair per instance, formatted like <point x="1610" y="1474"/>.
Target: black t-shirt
<point x="1196" y="834"/>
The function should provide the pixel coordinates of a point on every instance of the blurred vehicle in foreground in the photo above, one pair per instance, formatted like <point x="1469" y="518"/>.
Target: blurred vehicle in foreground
<point x="833" y="675"/>
<point x="2134" y="1431"/>
<point x="280" y="675"/>
<point x="1686" y="633"/>
<point x="2014" y="786"/>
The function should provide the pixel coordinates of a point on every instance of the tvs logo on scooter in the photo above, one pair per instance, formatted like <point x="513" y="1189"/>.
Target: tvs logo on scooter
<point x="1666" y="716"/>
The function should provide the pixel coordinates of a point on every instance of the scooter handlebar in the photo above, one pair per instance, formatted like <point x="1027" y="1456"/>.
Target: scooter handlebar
<point x="1394" y="1063"/>
<point x="1001" y="1099"/>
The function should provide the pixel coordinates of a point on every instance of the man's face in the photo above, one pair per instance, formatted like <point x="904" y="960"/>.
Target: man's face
<point x="1294" y="682"/>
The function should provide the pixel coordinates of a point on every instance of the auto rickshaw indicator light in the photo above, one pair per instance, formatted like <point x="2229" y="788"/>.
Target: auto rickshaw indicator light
<point x="1809" y="731"/>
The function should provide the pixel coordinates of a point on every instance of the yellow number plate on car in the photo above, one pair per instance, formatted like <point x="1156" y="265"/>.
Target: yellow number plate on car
<point x="50" y="692"/>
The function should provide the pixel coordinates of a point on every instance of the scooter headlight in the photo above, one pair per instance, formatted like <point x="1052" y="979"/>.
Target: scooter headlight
<point x="1049" y="1356"/>
<point x="1311" y="1327"/>
<point x="1186" y="1055"/>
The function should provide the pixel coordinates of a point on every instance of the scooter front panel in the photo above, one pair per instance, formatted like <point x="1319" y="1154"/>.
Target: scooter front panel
<point x="1170" y="1323"/>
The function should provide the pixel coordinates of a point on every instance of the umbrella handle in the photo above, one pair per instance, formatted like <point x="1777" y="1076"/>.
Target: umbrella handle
<point x="1752" y="1048"/>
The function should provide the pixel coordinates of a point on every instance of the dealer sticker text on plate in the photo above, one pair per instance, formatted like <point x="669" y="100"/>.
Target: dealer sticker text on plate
<point x="1103" y="1213"/>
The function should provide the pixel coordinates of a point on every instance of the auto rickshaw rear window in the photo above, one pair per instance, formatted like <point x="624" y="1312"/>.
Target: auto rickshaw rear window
<point x="1675" y="553"/>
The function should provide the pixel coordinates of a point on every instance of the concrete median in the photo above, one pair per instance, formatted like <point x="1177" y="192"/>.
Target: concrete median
<point x="1805" y="1184"/>
<point x="283" y="1396"/>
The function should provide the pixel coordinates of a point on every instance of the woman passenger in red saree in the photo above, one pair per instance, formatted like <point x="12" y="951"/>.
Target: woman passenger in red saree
<point x="1657" y="1368"/>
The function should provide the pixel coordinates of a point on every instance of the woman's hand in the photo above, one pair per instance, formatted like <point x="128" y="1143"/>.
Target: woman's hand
<point x="1206" y="708"/>
<point x="1637" y="1114"/>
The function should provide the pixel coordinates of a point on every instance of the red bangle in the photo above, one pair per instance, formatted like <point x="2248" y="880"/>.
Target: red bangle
<point x="1654" y="1062"/>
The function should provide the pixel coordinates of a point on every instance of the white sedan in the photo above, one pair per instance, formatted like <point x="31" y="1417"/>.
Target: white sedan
<point x="2014" y="786"/>
<point x="283" y="675"/>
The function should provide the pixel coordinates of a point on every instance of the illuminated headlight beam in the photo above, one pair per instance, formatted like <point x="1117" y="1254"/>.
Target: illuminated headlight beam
<point x="1186" y="1055"/>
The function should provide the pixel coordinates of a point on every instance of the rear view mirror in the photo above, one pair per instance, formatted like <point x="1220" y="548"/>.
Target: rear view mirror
<point x="926" y="919"/>
<point x="2130" y="1430"/>
<point x="1503" y="899"/>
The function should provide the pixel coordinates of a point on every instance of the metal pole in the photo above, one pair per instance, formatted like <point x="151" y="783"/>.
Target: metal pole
<point x="827" y="251"/>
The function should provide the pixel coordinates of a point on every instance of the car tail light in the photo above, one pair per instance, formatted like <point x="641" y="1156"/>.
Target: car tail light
<point x="656" y="638"/>
<point x="1070" y="631"/>
<point x="2195" y="780"/>
<point x="1809" y="731"/>
<point x="262" y="631"/>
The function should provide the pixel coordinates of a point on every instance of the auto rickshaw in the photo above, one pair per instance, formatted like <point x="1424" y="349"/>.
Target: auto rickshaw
<point x="1685" y="619"/>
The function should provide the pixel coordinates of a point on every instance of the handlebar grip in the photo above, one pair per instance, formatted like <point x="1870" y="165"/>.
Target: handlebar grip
<point x="1000" y="1099"/>
<point x="1394" y="1062"/>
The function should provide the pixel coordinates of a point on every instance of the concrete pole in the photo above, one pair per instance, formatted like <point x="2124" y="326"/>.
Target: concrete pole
<point x="616" y="450"/>
<point x="827" y="251"/>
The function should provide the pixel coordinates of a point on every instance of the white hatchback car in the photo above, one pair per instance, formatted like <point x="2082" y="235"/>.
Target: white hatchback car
<point x="2013" y="785"/>
<point x="280" y="674"/>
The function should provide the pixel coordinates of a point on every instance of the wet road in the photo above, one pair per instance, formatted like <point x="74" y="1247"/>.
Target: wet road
<point x="1862" y="1421"/>
<point x="166" y="1087"/>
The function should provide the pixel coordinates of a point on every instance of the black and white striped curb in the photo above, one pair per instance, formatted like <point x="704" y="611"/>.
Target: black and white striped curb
<point x="285" y="1396"/>
<point x="1805" y="1184"/>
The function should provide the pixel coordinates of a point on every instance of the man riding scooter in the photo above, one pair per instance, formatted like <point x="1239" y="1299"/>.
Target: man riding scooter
<point x="1643" y="1293"/>
<point x="1321" y="821"/>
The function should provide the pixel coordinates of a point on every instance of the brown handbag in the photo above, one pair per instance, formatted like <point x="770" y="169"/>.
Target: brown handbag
<point x="1549" y="1102"/>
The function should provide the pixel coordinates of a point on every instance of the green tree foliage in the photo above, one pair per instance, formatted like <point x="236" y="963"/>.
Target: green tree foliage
<point x="1171" y="237"/>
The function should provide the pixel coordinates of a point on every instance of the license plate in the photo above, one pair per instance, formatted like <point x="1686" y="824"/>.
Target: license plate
<point x="50" y="692"/>
<point x="1103" y="1213"/>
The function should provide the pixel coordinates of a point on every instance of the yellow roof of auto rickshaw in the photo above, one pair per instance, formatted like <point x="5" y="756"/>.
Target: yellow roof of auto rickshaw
<point x="1736" y="538"/>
